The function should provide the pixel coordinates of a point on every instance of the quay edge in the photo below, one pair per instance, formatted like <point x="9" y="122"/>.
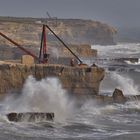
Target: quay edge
<point x="76" y="80"/>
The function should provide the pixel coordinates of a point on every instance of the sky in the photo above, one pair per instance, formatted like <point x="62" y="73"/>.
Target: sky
<point x="114" y="12"/>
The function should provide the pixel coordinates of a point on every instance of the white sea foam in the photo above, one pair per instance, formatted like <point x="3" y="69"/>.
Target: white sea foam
<point x="126" y="84"/>
<point x="120" y="50"/>
<point x="54" y="52"/>
<point x="46" y="95"/>
<point x="133" y="63"/>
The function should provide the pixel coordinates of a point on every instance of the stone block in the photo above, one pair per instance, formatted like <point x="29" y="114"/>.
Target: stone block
<point x="27" y="60"/>
<point x="118" y="96"/>
<point x="30" y="116"/>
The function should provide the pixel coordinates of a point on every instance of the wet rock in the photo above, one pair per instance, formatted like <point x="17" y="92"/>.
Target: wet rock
<point x="118" y="96"/>
<point x="30" y="116"/>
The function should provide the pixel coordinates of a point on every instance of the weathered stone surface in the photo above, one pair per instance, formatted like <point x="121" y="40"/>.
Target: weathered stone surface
<point x="118" y="96"/>
<point x="75" y="31"/>
<point x="27" y="60"/>
<point x="30" y="116"/>
<point x="77" y="80"/>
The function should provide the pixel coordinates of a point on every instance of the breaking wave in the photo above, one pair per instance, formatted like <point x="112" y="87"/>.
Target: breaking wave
<point x="133" y="63"/>
<point x="121" y="50"/>
<point x="90" y="120"/>
<point x="46" y="95"/>
<point x="124" y="83"/>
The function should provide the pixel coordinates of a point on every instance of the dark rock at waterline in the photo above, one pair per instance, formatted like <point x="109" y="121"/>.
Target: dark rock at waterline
<point x="30" y="116"/>
<point x="118" y="96"/>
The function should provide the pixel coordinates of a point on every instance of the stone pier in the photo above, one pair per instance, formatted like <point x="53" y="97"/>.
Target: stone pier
<point x="77" y="80"/>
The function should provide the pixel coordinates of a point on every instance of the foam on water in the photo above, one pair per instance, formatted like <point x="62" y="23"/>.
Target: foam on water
<point x="125" y="84"/>
<point x="89" y="121"/>
<point x="134" y="63"/>
<point x="47" y="95"/>
<point x="120" y="50"/>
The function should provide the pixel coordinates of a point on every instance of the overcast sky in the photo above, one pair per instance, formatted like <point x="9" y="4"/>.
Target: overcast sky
<point x="114" y="12"/>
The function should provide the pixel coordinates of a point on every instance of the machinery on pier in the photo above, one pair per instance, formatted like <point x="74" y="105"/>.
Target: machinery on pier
<point x="43" y="54"/>
<point x="42" y="59"/>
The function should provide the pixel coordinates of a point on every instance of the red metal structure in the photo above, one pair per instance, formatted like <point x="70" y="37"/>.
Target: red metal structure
<point x="19" y="46"/>
<point x="43" y="55"/>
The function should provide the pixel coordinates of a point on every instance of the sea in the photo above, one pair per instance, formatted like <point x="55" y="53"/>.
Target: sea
<point x="90" y="121"/>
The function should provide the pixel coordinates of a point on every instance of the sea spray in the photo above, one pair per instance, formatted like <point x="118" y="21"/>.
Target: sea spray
<point x="121" y="50"/>
<point x="54" y="52"/>
<point x="46" y="95"/>
<point x="126" y="84"/>
<point x="133" y="63"/>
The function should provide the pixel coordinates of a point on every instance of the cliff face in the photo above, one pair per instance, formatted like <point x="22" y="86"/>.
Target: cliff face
<point x="28" y="35"/>
<point x="74" y="31"/>
<point x="86" y="32"/>
<point x="77" y="80"/>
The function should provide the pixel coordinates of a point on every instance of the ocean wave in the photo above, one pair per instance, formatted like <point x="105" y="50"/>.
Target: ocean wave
<point x="133" y="63"/>
<point x="120" y="50"/>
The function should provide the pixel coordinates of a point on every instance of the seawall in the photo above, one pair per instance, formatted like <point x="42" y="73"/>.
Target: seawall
<point x="77" y="80"/>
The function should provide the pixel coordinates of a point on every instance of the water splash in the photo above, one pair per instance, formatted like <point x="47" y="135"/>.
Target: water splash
<point x="54" y="52"/>
<point x="46" y="95"/>
<point x="121" y="50"/>
<point x="133" y="63"/>
<point x="125" y="84"/>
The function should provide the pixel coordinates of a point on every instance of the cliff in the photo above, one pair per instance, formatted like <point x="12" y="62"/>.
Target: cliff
<point x="28" y="35"/>
<point x="77" y="80"/>
<point x="86" y="32"/>
<point x="74" y="31"/>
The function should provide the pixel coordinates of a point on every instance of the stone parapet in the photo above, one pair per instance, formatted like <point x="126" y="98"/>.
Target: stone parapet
<point x="77" y="80"/>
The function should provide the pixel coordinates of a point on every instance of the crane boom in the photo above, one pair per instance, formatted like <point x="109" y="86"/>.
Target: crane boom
<point x="34" y="56"/>
<point x="64" y="44"/>
<point x="19" y="46"/>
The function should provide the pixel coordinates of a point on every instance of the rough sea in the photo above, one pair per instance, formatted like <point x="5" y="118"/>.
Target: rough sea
<point x="91" y="121"/>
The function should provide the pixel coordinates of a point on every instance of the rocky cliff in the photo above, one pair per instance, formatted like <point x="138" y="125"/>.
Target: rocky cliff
<point x="29" y="34"/>
<point x="74" y="31"/>
<point x="86" y="31"/>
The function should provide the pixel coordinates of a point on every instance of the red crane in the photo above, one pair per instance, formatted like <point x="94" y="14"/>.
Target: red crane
<point x="43" y="55"/>
<point x="19" y="46"/>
